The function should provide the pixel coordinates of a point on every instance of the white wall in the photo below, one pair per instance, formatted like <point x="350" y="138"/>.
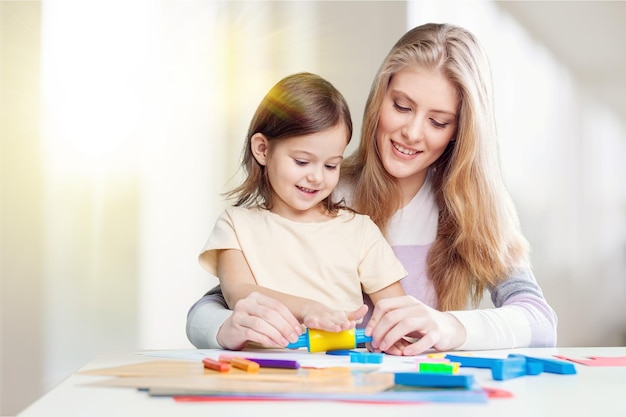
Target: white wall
<point x="131" y="120"/>
<point x="21" y="188"/>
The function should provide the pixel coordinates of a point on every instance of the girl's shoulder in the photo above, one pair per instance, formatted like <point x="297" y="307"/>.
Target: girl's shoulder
<point x="241" y="214"/>
<point x="356" y="220"/>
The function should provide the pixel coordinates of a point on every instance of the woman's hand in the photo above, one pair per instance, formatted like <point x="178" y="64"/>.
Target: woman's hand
<point x="259" y="319"/>
<point x="317" y="316"/>
<point x="399" y="317"/>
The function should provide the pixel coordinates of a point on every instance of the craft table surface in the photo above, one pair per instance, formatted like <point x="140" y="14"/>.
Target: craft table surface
<point x="592" y="391"/>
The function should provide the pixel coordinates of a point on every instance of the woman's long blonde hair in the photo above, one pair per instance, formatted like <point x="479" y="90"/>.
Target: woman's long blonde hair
<point x="479" y="242"/>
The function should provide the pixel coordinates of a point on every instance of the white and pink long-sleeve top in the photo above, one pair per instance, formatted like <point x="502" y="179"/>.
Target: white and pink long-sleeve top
<point x="522" y="316"/>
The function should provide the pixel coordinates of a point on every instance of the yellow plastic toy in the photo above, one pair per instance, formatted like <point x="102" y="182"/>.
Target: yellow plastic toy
<point x="321" y="341"/>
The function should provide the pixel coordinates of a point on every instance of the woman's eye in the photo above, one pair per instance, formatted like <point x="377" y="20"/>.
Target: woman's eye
<point x="438" y="124"/>
<point x="401" y="108"/>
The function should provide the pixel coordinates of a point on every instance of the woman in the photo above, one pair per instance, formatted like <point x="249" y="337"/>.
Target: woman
<point x="428" y="150"/>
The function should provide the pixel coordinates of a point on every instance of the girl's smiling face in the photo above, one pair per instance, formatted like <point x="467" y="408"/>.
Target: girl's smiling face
<point x="302" y="170"/>
<point x="418" y="118"/>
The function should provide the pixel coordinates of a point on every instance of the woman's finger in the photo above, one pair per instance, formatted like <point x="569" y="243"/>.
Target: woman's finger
<point x="259" y="319"/>
<point x="275" y="311"/>
<point x="400" y="327"/>
<point x="388" y="328"/>
<point x="265" y="333"/>
<point x="384" y="307"/>
<point x="420" y="346"/>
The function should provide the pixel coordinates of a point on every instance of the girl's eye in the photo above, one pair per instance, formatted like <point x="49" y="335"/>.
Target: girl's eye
<point x="438" y="124"/>
<point x="331" y="167"/>
<point x="401" y="108"/>
<point x="300" y="163"/>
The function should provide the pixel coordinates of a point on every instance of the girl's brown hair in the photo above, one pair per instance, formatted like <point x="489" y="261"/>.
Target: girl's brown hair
<point x="299" y="104"/>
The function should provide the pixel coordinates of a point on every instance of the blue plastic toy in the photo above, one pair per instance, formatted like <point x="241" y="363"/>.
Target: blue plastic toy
<point x="417" y="379"/>
<point x="501" y="369"/>
<point x="514" y="365"/>
<point x="366" y="357"/>
<point x="552" y="366"/>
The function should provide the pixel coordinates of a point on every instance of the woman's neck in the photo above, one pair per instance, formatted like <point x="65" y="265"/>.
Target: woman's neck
<point x="410" y="186"/>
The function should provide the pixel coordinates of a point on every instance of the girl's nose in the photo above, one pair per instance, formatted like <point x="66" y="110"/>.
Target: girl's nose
<point x="316" y="174"/>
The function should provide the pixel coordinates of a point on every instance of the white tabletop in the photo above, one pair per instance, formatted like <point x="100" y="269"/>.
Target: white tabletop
<point x="592" y="391"/>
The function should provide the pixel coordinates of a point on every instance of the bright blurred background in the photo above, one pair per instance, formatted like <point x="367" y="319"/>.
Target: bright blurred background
<point x="121" y="123"/>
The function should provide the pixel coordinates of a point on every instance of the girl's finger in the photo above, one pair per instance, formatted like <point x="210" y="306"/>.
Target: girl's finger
<point x="357" y="314"/>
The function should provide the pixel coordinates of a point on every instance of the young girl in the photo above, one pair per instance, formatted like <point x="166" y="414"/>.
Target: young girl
<point x="427" y="172"/>
<point x="285" y="236"/>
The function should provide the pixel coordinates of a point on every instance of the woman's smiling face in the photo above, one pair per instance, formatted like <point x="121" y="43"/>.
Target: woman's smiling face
<point x="418" y="118"/>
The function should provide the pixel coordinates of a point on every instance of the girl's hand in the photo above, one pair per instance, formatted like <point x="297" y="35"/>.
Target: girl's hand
<point x="259" y="319"/>
<point x="318" y="316"/>
<point x="395" y="318"/>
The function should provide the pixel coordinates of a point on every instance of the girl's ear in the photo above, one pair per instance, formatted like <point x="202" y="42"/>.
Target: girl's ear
<point x="259" y="145"/>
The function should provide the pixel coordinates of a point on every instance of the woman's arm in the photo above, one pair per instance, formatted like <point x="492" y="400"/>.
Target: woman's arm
<point x="396" y="318"/>
<point x="204" y="319"/>
<point x="522" y="317"/>
<point x="255" y="319"/>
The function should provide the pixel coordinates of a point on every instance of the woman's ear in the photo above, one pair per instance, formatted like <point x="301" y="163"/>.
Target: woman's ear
<point x="259" y="145"/>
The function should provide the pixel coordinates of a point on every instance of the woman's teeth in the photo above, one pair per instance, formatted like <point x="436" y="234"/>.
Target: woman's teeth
<point x="403" y="150"/>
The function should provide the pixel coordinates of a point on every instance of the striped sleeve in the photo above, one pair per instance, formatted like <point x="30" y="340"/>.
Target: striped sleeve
<point x="522" y="317"/>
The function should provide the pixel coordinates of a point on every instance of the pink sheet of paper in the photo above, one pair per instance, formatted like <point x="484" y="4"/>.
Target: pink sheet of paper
<point x="597" y="360"/>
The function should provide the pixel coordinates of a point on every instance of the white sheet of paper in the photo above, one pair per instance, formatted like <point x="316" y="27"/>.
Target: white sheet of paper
<point x="390" y="363"/>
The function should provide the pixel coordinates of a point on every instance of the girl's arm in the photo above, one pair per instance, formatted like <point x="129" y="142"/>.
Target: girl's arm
<point x="393" y="290"/>
<point x="237" y="283"/>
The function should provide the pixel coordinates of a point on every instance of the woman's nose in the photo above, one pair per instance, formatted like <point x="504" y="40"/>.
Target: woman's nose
<point x="414" y="129"/>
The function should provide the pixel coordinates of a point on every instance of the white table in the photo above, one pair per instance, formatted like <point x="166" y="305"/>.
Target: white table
<point x="592" y="391"/>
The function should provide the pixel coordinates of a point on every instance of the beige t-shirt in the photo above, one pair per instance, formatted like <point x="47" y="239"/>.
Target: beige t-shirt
<point x="331" y="262"/>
